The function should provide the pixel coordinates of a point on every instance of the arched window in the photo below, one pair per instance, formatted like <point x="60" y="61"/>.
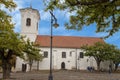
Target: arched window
<point x="28" y="22"/>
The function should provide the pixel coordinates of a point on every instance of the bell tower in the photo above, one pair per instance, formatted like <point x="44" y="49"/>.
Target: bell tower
<point x="29" y="23"/>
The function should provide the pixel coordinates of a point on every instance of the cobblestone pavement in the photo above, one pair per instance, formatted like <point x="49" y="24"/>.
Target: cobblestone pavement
<point x="64" y="75"/>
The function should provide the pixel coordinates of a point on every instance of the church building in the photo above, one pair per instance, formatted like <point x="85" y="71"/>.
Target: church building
<point x="66" y="52"/>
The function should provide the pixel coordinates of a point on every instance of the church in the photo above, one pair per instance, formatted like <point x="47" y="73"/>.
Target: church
<point x="66" y="52"/>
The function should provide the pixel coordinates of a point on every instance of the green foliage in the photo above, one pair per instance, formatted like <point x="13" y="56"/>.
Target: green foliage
<point x="5" y="19"/>
<point x="8" y="4"/>
<point x="100" y="51"/>
<point x="105" y="13"/>
<point x="116" y="58"/>
<point x="11" y="44"/>
<point x="11" y="41"/>
<point x="5" y="22"/>
<point x="32" y="53"/>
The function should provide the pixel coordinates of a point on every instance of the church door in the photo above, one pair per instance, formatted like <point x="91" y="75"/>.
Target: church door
<point x="62" y="65"/>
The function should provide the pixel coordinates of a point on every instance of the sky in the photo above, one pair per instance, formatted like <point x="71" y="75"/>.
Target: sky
<point x="62" y="17"/>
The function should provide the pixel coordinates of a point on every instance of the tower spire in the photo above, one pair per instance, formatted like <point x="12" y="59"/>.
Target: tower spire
<point x="31" y="4"/>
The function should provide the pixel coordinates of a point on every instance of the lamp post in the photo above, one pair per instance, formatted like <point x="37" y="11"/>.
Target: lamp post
<point x="53" y="23"/>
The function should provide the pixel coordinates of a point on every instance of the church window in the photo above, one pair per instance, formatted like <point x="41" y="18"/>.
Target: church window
<point x="81" y="55"/>
<point x="45" y="54"/>
<point x="63" y="54"/>
<point x="28" y="22"/>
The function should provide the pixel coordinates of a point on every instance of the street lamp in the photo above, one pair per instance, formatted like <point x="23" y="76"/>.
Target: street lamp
<point x="53" y="23"/>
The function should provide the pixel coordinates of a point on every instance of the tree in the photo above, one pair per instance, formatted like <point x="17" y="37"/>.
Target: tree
<point x="9" y="41"/>
<point x="100" y="52"/>
<point x="116" y="58"/>
<point x="5" y="19"/>
<point x="8" y="4"/>
<point x="32" y="53"/>
<point x="105" y="13"/>
<point x="11" y="45"/>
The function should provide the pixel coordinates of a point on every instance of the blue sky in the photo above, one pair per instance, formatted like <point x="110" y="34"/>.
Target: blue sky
<point x="62" y="17"/>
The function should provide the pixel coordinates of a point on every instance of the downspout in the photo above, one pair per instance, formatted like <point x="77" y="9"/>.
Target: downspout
<point x="76" y="60"/>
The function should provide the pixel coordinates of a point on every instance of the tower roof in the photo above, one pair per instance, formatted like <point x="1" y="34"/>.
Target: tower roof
<point x="30" y="9"/>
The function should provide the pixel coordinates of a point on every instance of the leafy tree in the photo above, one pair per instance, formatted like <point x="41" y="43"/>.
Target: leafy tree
<point x="11" y="45"/>
<point x="100" y="52"/>
<point x="116" y="58"/>
<point x="5" y="19"/>
<point x="32" y="53"/>
<point x="8" y="4"/>
<point x="105" y="13"/>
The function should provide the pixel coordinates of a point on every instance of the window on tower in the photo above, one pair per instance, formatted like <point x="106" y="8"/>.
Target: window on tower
<point x="28" y="22"/>
<point x="37" y="26"/>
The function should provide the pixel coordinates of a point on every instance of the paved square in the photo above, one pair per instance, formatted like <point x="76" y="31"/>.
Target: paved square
<point x="65" y="75"/>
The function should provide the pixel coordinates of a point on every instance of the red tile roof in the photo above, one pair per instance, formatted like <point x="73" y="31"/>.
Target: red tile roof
<point x="66" y="41"/>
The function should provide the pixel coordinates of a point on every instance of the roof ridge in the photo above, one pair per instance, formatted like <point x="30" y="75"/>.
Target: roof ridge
<point x="70" y="36"/>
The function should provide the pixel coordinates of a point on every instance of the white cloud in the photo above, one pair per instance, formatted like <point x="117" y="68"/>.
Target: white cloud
<point x="16" y="15"/>
<point x="101" y="34"/>
<point x="17" y="21"/>
<point x="70" y="14"/>
<point x="19" y="3"/>
<point x="63" y="15"/>
<point x="61" y="1"/>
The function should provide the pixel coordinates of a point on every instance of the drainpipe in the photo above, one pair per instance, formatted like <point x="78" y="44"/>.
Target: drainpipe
<point x="76" y="59"/>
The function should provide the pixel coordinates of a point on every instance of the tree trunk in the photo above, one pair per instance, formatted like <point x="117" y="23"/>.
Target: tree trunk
<point x="6" y="69"/>
<point x="30" y="67"/>
<point x="6" y="65"/>
<point x="116" y="67"/>
<point x="98" y="65"/>
<point x="30" y="64"/>
<point x="38" y="65"/>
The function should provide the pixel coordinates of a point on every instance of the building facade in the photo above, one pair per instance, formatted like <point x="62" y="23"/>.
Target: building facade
<point x="66" y="52"/>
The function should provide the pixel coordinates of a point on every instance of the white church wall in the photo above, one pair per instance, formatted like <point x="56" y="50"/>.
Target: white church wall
<point x="71" y="62"/>
<point x="57" y="58"/>
<point x="104" y="65"/>
<point x="19" y="63"/>
<point x="29" y="36"/>
<point x="44" y="64"/>
<point x="66" y="60"/>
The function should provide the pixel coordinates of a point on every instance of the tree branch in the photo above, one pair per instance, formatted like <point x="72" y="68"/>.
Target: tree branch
<point x="88" y="3"/>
